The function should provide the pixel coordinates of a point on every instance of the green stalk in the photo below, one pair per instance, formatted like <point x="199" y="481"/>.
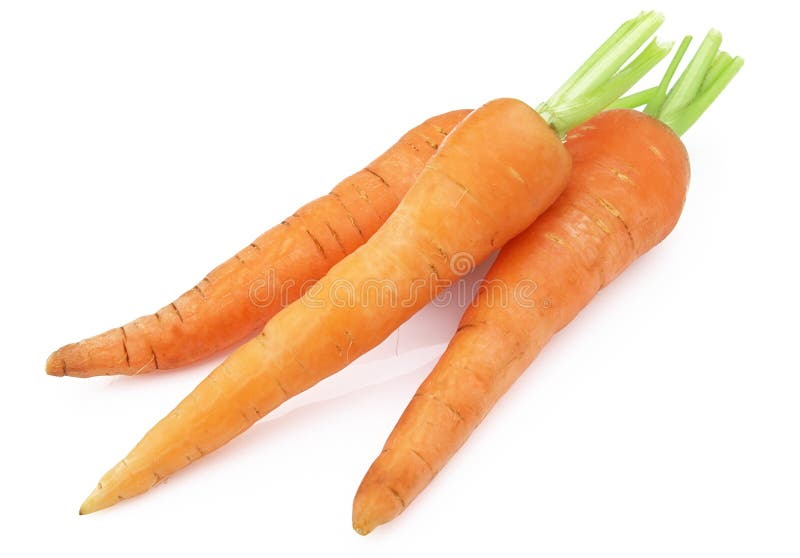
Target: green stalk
<point x="704" y="78"/>
<point x="578" y="109"/>
<point x="688" y="85"/>
<point x="634" y="100"/>
<point x="658" y="98"/>
<point x="682" y="120"/>
<point x="613" y="60"/>
<point x="623" y="30"/>
<point x="599" y="81"/>
<point x="720" y="62"/>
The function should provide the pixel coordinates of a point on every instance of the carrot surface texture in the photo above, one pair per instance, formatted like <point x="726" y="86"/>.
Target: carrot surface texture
<point x="627" y="189"/>
<point x="500" y="168"/>
<point x="237" y="298"/>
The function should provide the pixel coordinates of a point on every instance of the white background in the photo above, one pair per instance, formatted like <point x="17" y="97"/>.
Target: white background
<point x="142" y="143"/>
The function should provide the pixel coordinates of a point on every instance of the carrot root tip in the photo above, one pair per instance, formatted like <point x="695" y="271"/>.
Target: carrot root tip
<point x="56" y="365"/>
<point x="362" y="530"/>
<point x="96" y="501"/>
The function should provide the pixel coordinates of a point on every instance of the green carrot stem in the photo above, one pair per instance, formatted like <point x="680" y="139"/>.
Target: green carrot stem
<point x="682" y="120"/>
<point x="612" y="41"/>
<point x="564" y="118"/>
<point x="599" y="81"/>
<point x="609" y="60"/>
<point x="634" y="100"/>
<point x="720" y="62"/>
<point x="660" y="95"/>
<point x="705" y="77"/>
<point x="688" y="85"/>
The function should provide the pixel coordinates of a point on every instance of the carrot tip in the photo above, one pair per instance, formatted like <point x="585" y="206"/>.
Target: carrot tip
<point x="94" y="502"/>
<point x="361" y="528"/>
<point x="374" y="505"/>
<point x="56" y="365"/>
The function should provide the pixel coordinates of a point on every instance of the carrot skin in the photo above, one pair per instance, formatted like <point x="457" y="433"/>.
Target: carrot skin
<point x="237" y="298"/>
<point x="626" y="192"/>
<point x="496" y="172"/>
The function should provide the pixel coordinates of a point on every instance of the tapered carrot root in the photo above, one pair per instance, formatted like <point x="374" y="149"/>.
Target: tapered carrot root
<point x="500" y="168"/>
<point x="629" y="179"/>
<point x="625" y="195"/>
<point x="237" y="298"/>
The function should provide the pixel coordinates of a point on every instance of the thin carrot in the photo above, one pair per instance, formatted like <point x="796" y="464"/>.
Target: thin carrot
<point x="498" y="170"/>
<point x="237" y="298"/>
<point x="626" y="192"/>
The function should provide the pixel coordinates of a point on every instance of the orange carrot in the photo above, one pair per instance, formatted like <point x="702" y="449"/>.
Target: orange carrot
<point x="627" y="187"/>
<point x="626" y="192"/>
<point x="500" y="168"/>
<point x="237" y="298"/>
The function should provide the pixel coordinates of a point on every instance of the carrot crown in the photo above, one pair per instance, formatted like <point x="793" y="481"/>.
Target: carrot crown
<point x="705" y="77"/>
<point x="602" y="79"/>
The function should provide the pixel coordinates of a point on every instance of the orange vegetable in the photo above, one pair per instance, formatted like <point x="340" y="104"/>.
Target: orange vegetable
<point x="629" y="178"/>
<point x="626" y="192"/>
<point x="499" y="169"/>
<point x="237" y="298"/>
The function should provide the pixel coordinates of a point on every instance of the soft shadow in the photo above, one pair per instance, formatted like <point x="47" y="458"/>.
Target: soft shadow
<point x="302" y="414"/>
<point x="433" y="325"/>
<point x="436" y="322"/>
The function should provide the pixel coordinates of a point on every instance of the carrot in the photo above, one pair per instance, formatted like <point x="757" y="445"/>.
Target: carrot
<point x="626" y="192"/>
<point x="237" y="298"/>
<point x="465" y="187"/>
<point x="498" y="170"/>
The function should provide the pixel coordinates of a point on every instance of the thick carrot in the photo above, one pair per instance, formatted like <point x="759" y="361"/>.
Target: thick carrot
<point x="237" y="298"/>
<point x="500" y="168"/>
<point x="627" y="187"/>
<point x="626" y="192"/>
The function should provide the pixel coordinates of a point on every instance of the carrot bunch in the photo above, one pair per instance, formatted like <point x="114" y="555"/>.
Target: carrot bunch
<point x="235" y="300"/>
<point x="456" y="188"/>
